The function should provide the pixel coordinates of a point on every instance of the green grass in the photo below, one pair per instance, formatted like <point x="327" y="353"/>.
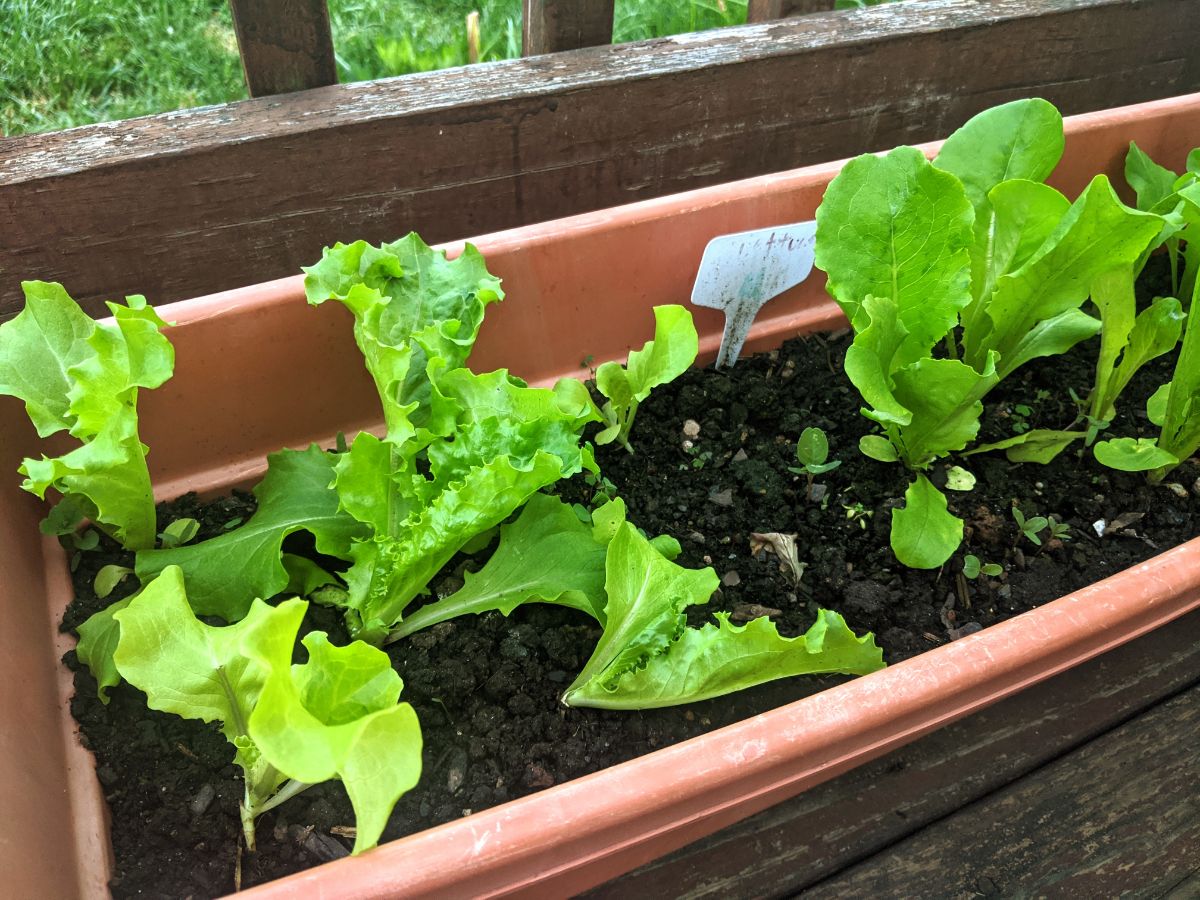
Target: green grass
<point x="72" y="62"/>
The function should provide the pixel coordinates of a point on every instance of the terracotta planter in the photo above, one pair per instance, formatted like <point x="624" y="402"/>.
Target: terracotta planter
<point x="258" y="369"/>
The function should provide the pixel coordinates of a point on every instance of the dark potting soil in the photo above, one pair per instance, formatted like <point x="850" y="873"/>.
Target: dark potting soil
<point x="486" y="688"/>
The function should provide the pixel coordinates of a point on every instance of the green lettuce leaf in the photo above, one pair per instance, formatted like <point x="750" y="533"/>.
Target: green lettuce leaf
<point x="924" y="532"/>
<point x="338" y="716"/>
<point x="1097" y="234"/>
<point x="83" y="377"/>
<point x="98" y="638"/>
<point x="663" y="359"/>
<point x="335" y="716"/>
<point x="1133" y="455"/>
<point x="945" y="396"/>
<point x="226" y="573"/>
<point x="723" y="658"/>
<point x="648" y="657"/>
<point x="411" y="307"/>
<point x="895" y="227"/>
<point x="546" y="555"/>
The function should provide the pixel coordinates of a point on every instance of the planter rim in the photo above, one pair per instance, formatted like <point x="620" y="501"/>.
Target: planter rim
<point x="579" y="833"/>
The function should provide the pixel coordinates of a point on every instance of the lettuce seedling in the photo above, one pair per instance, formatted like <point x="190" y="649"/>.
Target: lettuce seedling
<point x="646" y="656"/>
<point x="915" y="250"/>
<point x="81" y="376"/>
<point x="335" y="716"/>
<point x="1162" y="191"/>
<point x="663" y="359"/>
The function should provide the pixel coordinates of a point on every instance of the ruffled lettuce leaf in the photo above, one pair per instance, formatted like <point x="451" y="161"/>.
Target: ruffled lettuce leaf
<point x="663" y="359"/>
<point x="412" y="308"/>
<point x="546" y="555"/>
<point x="338" y="716"/>
<point x="648" y="657"/>
<point x="226" y="573"/>
<point x="80" y="376"/>
<point x="335" y="716"/>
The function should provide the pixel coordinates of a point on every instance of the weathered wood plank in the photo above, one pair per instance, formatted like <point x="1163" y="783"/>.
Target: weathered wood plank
<point x="187" y="203"/>
<point x="800" y="842"/>
<point x="551" y="26"/>
<point x="1118" y="817"/>
<point x="286" y="45"/>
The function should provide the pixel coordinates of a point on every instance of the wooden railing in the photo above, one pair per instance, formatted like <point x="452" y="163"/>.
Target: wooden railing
<point x="286" y="45"/>
<point x="190" y="202"/>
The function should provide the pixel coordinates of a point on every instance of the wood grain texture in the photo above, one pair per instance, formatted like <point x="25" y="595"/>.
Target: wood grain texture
<point x="286" y="45"/>
<point x="796" y="844"/>
<point x="551" y="26"/>
<point x="1119" y="817"/>
<point x="191" y="202"/>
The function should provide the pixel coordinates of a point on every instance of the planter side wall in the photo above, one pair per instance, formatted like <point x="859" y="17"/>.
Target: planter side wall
<point x="257" y="369"/>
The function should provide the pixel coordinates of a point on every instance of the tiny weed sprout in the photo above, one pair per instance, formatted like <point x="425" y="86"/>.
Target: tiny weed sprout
<point x="973" y="568"/>
<point x="1059" y="530"/>
<point x="82" y="377"/>
<point x="1029" y="527"/>
<point x="108" y="578"/>
<point x="955" y="273"/>
<point x="663" y="359"/>
<point x="812" y="450"/>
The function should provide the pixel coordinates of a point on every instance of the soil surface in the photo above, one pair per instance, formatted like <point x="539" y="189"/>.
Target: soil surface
<point x="486" y="688"/>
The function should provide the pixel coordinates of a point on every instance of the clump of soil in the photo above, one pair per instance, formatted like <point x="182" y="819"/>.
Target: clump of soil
<point x="711" y="467"/>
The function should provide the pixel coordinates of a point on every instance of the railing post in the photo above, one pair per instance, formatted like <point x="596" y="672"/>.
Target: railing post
<point x="286" y="45"/>
<point x="554" y="25"/>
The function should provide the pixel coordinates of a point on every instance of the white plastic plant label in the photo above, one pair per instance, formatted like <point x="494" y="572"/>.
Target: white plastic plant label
<point x="740" y="272"/>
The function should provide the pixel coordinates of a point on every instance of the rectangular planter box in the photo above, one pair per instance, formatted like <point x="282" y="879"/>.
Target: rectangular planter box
<point x="257" y="369"/>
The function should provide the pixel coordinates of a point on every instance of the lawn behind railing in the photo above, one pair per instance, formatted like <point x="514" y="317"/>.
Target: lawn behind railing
<point x="74" y="62"/>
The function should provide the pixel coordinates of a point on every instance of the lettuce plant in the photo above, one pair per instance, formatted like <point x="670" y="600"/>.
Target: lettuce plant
<point x="1174" y="407"/>
<point x="1162" y="191"/>
<point x="973" y="256"/>
<point x="647" y="656"/>
<point x="336" y="715"/>
<point x="661" y="360"/>
<point x="82" y="377"/>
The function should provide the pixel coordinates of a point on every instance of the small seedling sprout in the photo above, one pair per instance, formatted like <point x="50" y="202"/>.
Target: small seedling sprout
<point x="972" y="568"/>
<point x="812" y="451"/>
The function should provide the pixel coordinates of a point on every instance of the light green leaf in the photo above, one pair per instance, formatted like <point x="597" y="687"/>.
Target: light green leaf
<point x="660" y="361"/>
<point x="337" y="716"/>
<point x="1151" y="182"/>
<point x="877" y="447"/>
<point x="1038" y="445"/>
<point x="179" y="532"/>
<point x="924" y="533"/>
<point x="1015" y="143"/>
<point x="1156" y="405"/>
<point x="813" y="447"/>
<point x="411" y="306"/>
<point x="191" y="669"/>
<point x="895" y="227"/>
<point x="723" y="658"/>
<point x="546" y="556"/>
<point x="225" y="573"/>
<point x="304" y="575"/>
<point x="647" y="594"/>
<point x="108" y="578"/>
<point x="1180" y="435"/>
<point x="945" y="396"/>
<point x="871" y="359"/>
<point x="1133" y="455"/>
<point x="98" y="638"/>
<point x="1097" y="234"/>
<point x="81" y="376"/>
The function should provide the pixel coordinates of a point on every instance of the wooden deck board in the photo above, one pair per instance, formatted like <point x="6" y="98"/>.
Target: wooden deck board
<point x="1120" y="816"/>
<point x="829" y="829"/>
